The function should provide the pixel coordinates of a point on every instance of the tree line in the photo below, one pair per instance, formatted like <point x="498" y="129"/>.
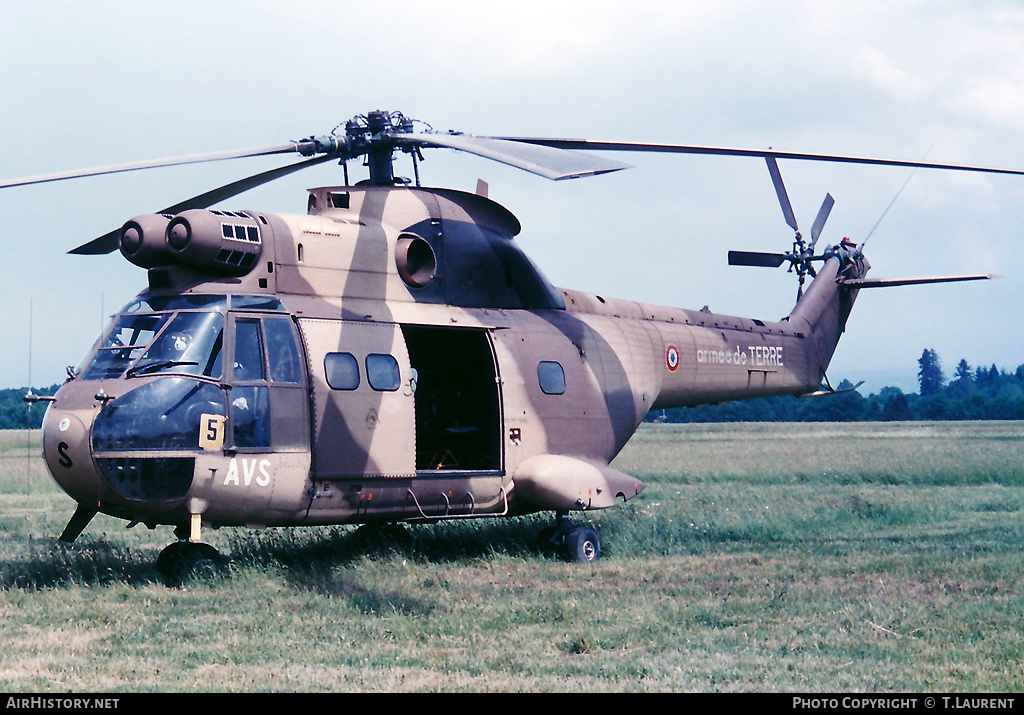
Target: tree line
<point x="972" y="393"/>
<point x="15" y="413"/>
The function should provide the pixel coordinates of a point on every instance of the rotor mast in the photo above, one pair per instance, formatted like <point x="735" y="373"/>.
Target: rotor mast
<point x="379" y="149"/>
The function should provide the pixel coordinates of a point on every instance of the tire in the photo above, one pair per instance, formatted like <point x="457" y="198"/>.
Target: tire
<point x="549" y="539"/>
<point x="582" y="545"/>
<point x="382" y="538"/>
<point x="183" y="560"/>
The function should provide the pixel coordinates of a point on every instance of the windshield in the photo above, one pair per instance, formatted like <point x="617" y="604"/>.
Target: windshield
<point x="186" y="342"/>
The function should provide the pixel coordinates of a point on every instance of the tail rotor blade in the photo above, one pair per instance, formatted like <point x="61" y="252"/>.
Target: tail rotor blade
<point x="756" y="258"/>
<point x="819" y="221"/>
<point x="780" y="189"/>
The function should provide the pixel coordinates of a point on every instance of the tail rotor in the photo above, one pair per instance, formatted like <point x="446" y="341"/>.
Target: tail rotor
<point x="801" y="257"/>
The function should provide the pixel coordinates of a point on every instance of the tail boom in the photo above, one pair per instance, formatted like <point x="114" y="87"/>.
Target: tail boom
<point x="679" y="357"/>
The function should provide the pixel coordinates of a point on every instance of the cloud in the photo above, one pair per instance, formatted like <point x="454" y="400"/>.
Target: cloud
<point x="117" y="81"/>
<point x="886" y="74"/>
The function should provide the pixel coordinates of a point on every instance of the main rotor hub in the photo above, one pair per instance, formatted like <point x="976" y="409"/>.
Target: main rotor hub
<point x="372" y="134"/>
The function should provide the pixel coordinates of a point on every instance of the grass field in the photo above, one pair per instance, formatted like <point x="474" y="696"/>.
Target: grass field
<point x="793" y="557"/>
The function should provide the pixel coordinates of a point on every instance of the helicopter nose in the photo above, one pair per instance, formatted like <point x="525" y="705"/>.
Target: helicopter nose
<point x="67" y="453"/>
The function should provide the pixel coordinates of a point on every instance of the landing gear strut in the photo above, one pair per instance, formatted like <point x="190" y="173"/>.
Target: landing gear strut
<point x="578" y="543"/>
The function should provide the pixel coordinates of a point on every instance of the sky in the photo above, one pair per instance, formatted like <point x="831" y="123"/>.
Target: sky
<point x="92" y="84"/>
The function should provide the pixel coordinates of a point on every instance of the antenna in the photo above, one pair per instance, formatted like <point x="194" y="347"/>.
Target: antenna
<point x="907" y="181"/>
<point x="28" y="410"/>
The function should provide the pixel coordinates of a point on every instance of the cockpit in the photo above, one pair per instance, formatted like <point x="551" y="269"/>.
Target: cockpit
<point x="181" y="334"/>
<point x="180" y="374"/>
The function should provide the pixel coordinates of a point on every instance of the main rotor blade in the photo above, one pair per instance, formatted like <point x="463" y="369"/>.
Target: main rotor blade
<point x="889" y="282"/>
<point x="155" y="163"/>
<point x="756" y="258"/>
<point x="222" y="193"/>
<point x="819" y="221"/>
<point x="551" y="163"/>
<point x="594" y="145"/>
<point x="780" y="189"/>
<point x="108" y="242"/>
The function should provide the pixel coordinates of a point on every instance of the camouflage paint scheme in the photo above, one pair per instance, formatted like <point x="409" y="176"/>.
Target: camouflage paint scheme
<point x="432" y="278"/>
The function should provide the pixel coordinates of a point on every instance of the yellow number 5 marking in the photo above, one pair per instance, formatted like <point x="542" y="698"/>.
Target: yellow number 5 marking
<point x="211" y="431"/>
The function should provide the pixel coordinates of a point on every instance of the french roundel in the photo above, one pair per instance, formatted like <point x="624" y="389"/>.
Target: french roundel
<point x="672" y="358"/>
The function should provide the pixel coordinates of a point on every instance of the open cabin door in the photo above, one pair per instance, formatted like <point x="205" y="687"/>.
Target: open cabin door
<point x="458" y="408"/>
<point x="362" y="399"/>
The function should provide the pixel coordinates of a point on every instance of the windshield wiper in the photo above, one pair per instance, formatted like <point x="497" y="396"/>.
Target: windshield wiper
<point x="155" y="366"/>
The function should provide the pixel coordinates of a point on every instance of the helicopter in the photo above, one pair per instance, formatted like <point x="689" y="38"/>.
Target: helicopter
<point x="392" y="355"/>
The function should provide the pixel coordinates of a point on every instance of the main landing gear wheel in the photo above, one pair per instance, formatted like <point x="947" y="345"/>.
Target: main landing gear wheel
<point x="382" y="538"/>
<point x="184" y="560"/>
<point x="580" y="544"/>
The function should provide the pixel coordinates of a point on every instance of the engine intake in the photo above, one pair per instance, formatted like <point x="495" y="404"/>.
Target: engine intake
<point x="224" y="241"/>
<point x="143" y="240"/>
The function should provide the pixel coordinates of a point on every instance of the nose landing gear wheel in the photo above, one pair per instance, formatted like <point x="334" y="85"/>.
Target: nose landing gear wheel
<point x="184" y="560"/>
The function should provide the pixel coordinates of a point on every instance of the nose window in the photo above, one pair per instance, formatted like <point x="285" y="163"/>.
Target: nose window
<point x="162" y="415"/>
<point x="190" y="342"/>
<point x="124" y="343"/>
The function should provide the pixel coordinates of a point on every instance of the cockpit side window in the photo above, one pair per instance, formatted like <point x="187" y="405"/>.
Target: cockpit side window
<point x="250" y="405"/>
<point x="248" y="352"/>
<point x="269" y="407"/>
<point x="282" y="353"/>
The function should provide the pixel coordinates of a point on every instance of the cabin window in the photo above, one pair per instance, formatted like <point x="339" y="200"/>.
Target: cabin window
<point x="382" y="372"/>
<point x="551" y="377"/>
<point x="342" y="371"/>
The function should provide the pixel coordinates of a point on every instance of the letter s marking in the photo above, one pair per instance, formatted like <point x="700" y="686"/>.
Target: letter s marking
<point x="65" y="460"/>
